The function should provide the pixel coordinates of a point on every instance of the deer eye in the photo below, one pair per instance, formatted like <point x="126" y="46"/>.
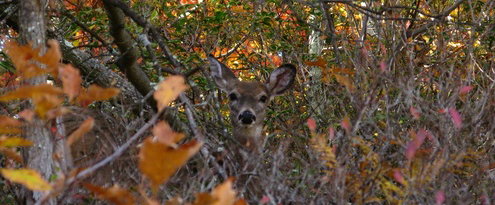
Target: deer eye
<point x="232" y="97"/>
<point x="263" y="99"/>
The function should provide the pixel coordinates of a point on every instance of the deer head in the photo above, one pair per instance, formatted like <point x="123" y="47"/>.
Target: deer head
<point x="249" y="100"/>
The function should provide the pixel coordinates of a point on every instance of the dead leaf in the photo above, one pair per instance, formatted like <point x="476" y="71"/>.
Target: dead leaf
<point x="27" y="115"/>
<point x="71" y="80"/>
<point x="6" y="121"/>
<point x="96" y="93"/>
<point x="114" y="194"/>
<point x="12" y="154"/>
<point x="320" y="62"/>
<point x="158" y="161"/>
<point x="85" y="127"/>
<point x="224" y="194"/>
<point x="345" y="81"/>
<point x="164" y="134"/>
<point x="168" y="90"/>
<point x="31" y="91"/>
<point x="27" y="177"/>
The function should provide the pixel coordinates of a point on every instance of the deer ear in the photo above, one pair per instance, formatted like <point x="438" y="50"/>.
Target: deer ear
<point x="281" y="79"/>
<point x="223" y="76"/>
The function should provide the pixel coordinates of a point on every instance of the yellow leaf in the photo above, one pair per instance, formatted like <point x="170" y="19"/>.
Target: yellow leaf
<point x="158" y="161"/>
<point x="168" y="90"/>
<point x="83" y="129"/>
<point x="114" y="194"/>
<point x="14" y="142"/>
<point x="27" y="177"/>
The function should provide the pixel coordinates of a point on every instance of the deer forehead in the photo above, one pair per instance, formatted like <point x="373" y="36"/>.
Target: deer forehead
<point x="251" y="88"/>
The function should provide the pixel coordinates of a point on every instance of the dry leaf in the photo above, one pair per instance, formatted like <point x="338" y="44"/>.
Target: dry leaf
<point x="27" y="115"/>
<point x="164" y="134"/>
<point x="320" y="63"/>
<point x="96" y="93"/>
<point x="83" y="129"/>
<point x="168" y="90"/>
<point x="29" y="91"/>
<point x="6" y="121"/>
<point x="12" y="154"/>
<point x="114" y="194"/>
<point x="224" y="194"/>
<point x="158" y="161"/>
<point x="27" y="177"/>
<point x="71" y="80"/>
<point x="345" y="81"/>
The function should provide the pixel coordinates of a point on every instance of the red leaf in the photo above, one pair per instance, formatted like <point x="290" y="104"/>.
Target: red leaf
<point x="465" y="89"/>
<point x="414" y="112"/>
<point x="456" y="118"/>
<point x="415" y="143"/>
<point x="439" y="197"/>
<point x="398" y="176"/>
<point x="311" y="124"/>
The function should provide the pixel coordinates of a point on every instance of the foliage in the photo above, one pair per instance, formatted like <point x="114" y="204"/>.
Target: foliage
<point x="393" y="103"/>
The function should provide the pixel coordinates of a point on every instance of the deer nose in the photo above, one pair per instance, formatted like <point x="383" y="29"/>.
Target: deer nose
<point x="247" y="117"/>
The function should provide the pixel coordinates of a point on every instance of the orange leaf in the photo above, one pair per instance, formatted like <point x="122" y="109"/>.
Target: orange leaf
<point x="224" y="194"/>
<point x="45" y="103"/>
<point x="14" y="142"/>
<point x="27" y="115"/>
<point x="71" y="80"/>
<point x="168" y="90"/>
<point x="30" y="91"/>
<point x="320" y="63"/>
<point x="27" y="177"/>
<point x="114" y="194"/>
<point x="164" y="134"/>
<point x="346" y="124"/>
<point x="96" y="93"/>
<point x="6" y="121"/>
<point x="204" y="199"/>
<point x="52" y="55"/>
<point x="22" y="56"/>
<point x="158" y="161"/>
<point x="12" y="154"/>
<point x="53" y="113"/>
<point x="83" y="129"/>
<point x="345" y="81"/>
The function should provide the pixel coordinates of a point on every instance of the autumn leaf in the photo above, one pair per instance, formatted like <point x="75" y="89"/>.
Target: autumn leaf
<point x="456" y="118"/>
<point x="6" y="121"/>
<point x="311" y="124"/>
<point x="164" y="134"/>
<point x="52" y="56"/>
<point x="45" y="103"/>
<point x="27" y="115"/>
<point x="168" y="90"/>
<point x="27" y="177"/>
<point x="320" y="62"/>
<point x="346" y="124"/>
<point x="345" y="81"/>
<point x="96" y="93"/>
<point x="398" y="176"/>
<point x="414" y="112"/>
<point x="11" y="154"/>
<point x="415" y="143"/>
<point x="22" y="56"/>
<point x="224" y="193"/>
<point x="31" y="91"/>
<point x="14" y="142"/>
<point x="465" y="89"/>
<point x="71" y="80"/>
<point x="83" y="129"/>
<point x="439" y="197"/>
<point x="114" y="194"/>
<point x="158" y="161"/>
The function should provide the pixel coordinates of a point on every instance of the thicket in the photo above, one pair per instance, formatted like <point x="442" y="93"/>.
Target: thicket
<point x="393" y="102"/>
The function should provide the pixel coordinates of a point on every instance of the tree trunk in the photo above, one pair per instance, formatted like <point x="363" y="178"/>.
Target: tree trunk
<point x="39" y="156"/>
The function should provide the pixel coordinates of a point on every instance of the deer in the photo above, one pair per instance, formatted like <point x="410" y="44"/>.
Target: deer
<point x="248" y="100"/>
